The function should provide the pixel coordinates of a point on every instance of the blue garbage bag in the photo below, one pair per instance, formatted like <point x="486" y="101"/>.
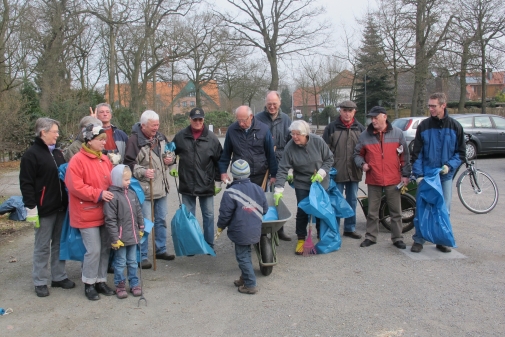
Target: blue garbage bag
<point x="71" y="245"/>
<point x="187" y="234"/>
<point x="432" y="218"/>
<point x="271" y="214"/>
<point x="318" y="204"/>
<point x="16" y="208"/>
<point x="135" y="187"/>
<point x="340" y="205"/>
<point x="170" y="147"/>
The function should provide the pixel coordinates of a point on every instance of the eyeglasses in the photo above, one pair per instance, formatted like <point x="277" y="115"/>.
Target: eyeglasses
<point x="56" y="132"/>
<point x="433" y="106"/>
<point x="197" y="119"/>
<point x="295" y="134"/>
<point x="243" y="120"/>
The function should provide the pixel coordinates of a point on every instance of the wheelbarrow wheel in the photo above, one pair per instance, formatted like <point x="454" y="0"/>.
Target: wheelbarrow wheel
<point x="266" y="254"/>
<point x="408" y="203"/>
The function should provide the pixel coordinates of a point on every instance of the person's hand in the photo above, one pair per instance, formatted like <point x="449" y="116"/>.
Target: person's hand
<point x="225" y="179"/>
<point x="272" y="180"/>
<point x="117" y="244"/>
<point x="277" y="197"/>
<point x="316" y="177"/>
<point x="174" y="172"/>
<point x="219" y="231"/>
<point x="418" y="180"/>
<point x="32" y="215"/>
<point x="150" y="173"/>
<point x="141" y="234"/>
<point x="168" y="158"/>
<point x="91" y="112"/>
<point x="365" y="167"/>
<point x="217" y="190"/>
<point x="107" y="196"/>
<point x="405" y="180"/>
<point x="445" y="170"/>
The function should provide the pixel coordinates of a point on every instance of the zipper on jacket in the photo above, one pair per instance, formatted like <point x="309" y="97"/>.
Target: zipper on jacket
<point x="59" y="180"/>
<point x="42" y="196"/>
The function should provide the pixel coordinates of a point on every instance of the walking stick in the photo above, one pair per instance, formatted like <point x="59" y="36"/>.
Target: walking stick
<point x="152" y="208"/>
<point x="142" y="298"/>
<point x="265" y="178"/>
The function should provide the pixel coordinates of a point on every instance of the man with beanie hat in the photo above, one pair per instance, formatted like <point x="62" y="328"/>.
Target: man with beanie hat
<point x="384" y="155"/>
<point x="242" y="208"/>
<point x="199" y="151"/>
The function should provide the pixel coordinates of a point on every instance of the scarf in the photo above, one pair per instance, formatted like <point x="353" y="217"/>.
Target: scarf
<point x="98" y="154"/>
<point x="347" y="125"/>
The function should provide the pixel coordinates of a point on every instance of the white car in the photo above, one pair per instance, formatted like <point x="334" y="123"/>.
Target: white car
<point x="409" y="127"/>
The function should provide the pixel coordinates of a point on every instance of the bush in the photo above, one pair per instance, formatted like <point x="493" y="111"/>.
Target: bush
<point x="220" y="119"/>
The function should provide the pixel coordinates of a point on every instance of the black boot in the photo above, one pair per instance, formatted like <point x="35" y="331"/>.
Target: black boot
<point x="103" y="288"/>
<point x="90" y="292"/>
<point x="282" y="235"/>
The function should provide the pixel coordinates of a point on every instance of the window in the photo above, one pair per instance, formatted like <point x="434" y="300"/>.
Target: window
<point x="192" y="103"/>
<point x="483" y="122"/>
<point x="184" y="104"/>
<point x="499" y="122"/>
<point x="466" y="122"/>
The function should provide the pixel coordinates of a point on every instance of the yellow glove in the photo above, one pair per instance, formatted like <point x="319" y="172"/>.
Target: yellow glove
<point x="445" y="170"/>
<point x="141" y="234"/>
<point x="174" y="172"/>
<point x="277" y="197"/>
<point x="316" y="177"/>
<point x="118" y="244"/>
<point x="32" y="215"/>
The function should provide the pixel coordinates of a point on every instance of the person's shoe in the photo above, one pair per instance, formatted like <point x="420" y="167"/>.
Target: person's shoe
<point x="416" y="248"/>
<point x="353" y="235"/>
<point x="299" y="247"/>
<point x="90" y="292"/>
<point x="146" y="264"/>
<point x="282" y="235"/>
<point x="367" y="243"/>
<point x="136" y="291"/>
<point x="121" y="290"/>
<point x="444" y="249"/>
<point x="239" y="282"/>
<point x="41" y="291"/>
<point x="103" y="288"/>
<point x="244" y="290"/>
<point x="400" y="245"/>
<point x="65" y="284"/>
<point x="165" y="256"/>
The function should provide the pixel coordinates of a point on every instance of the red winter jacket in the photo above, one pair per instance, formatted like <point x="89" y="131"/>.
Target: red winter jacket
<point x="86" y="178"/>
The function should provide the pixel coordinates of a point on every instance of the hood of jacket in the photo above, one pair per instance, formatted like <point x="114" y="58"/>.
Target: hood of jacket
<point x="116" y="175"/>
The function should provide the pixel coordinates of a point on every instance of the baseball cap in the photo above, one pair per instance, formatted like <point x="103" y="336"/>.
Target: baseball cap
<point x="196" y="113"/>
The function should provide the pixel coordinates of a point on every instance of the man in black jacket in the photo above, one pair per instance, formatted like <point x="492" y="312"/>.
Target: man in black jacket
<point x="199" y="151"/>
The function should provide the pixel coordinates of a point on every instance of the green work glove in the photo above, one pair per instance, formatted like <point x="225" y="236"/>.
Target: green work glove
<point x="174" y="172"/>
<point x="32" y="215"/>
<point x="445" y="170"/>
<point x="277" y="197"/>
<point x="217" y="190"/>
<point x="117" y="244"/>
<point x="316" y="177"/>
<point x="289" y="178"/>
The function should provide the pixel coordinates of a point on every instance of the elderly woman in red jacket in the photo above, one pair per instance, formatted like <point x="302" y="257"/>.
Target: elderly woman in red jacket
<point x="87" y="180"/>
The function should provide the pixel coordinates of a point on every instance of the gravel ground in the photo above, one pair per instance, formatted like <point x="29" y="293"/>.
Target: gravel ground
<point x="375" y="291"/>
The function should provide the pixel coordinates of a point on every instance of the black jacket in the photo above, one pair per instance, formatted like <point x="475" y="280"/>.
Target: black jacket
<point x="39" y="181"/>
<point x="198" y="162"/>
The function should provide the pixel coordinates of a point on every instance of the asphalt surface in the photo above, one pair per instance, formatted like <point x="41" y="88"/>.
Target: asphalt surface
<point x="374" y="291"/>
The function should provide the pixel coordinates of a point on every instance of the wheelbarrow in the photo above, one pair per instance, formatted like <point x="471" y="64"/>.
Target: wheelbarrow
<point x="265" y="249"/>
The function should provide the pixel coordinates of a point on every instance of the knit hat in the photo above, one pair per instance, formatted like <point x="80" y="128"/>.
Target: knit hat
<point x="240" y="169"/>
<point x="91" y="131"/>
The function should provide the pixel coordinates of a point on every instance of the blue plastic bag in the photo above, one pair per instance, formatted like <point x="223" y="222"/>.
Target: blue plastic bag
<point x="318" y="204"/>
<point x="71" y="245"/>
<point x="135" y="187"/>
<point x="187" y="234"/>
<point x="340" y="205"/>
<point x="432" y="218"/>
<point x="170" y="147"/>
<point x="271" y="214"/>
<point x="16" y="208"/>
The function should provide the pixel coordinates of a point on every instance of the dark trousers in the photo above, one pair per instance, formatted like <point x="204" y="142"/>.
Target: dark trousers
<point x="302" y="218"/>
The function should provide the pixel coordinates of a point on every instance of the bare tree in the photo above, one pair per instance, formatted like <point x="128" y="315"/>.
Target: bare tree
<point x="285" y="27"/>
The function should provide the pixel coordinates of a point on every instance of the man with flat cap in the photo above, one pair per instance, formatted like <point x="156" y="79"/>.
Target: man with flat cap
<point x="342" y="136"/>
<point x="383" y="155"/>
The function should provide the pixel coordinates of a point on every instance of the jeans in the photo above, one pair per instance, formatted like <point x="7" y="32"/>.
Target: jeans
<point x="160" y="226"/>
<point x="302" y="218"/>
<point x="47" y="248"/>
<point x="447" y="192"/>
<point x="243" y="255"/>
<point x="207" y="208"/>
<point x="393" y="198"/>
<point x="94" y="266"/>
<point x="351" y="195"/>
<point x="126" y="257"/>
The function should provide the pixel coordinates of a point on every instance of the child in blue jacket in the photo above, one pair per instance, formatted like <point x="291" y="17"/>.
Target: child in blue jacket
<point x="242" y="208"/>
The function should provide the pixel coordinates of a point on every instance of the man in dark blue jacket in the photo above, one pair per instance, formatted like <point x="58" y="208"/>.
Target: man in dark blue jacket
<point x="250" y="140"/>
<point x="439" y="142"/>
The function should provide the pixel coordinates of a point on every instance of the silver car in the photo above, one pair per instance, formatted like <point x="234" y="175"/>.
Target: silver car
<point x="409" y="127"/>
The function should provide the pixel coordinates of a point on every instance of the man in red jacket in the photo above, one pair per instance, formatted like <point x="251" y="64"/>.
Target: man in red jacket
<point x="383" y="154"/>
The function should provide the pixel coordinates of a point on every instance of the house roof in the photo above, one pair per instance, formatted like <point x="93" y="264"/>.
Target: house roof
<point x="343" y="79"/>
<point x="304" y="97"/>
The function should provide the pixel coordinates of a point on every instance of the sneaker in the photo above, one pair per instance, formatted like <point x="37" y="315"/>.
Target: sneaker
<point x="121" y="290"/>
<point x="367" y="243"/>
<point x="136" y="291"/>
<point x="65" y="284"/>
<point x="239" y="282"/>
<point x="146" y="264"/>
<point x="416" y="248"/>
<point x="444" y="249"/>
<point x="352" y="235"/>
<point x="165" y="256"/>
<point x="299" y="247"/>
<point x="399" y="244"/>
<point x="41" y="291"/>
<point x="244" y="290"/>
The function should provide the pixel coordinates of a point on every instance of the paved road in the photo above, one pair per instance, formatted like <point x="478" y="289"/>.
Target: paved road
<point x="375" y="291"/>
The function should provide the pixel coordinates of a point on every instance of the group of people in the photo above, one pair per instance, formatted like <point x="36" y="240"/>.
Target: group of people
<point x="266" y="149"/>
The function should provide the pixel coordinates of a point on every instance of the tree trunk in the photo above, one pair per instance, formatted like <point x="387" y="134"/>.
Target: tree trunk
<point x="112" y="65"/>
<point x="484" y="75"/>
<point x="462" y="77"/>
<point x="274" y="82"/>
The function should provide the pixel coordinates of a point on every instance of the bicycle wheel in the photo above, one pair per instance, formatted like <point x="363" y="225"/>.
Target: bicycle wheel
<point x="481" y="199"/>
<point x="408" y="212"/>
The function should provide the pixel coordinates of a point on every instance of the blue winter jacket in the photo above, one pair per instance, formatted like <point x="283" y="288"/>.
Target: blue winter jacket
<point x="255" y="147"/>
<point x="242" y="208"/>
<point x="438" y="142"/>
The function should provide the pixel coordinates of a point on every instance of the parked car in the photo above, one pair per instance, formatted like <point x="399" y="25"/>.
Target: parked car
<point x="488" y="133"/>
<point x="409" y="127"/>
